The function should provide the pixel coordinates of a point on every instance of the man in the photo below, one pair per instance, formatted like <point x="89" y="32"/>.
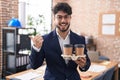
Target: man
<point x="49" y="47"/>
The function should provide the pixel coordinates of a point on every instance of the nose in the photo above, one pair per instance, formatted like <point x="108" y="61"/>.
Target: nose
<point x="63" y="19"/>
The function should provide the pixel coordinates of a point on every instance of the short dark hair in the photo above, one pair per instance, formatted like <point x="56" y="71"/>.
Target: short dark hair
<point x="62" y="6"/>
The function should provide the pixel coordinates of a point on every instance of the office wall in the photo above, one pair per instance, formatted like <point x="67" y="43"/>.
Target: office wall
<point x="85" y="20"/>
<point x="8" y="9"/>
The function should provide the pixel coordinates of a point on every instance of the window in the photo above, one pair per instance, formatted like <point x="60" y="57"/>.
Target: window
<point x="109" y="24"/>
<point x="38" y="15"/>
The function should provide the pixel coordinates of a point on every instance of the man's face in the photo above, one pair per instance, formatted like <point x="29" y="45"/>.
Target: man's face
<point x="62" y="21"/>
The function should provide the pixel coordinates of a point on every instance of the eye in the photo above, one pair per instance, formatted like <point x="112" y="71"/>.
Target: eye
<point x="59" y="17"/>
<point x="66" y="17"/>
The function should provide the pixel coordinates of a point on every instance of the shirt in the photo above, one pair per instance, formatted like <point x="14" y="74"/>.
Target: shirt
<point x="63" y="41"/>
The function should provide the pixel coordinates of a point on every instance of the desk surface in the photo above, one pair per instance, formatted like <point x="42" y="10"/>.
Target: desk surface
<point x="89" y="75"/>
<point x="41" y="70"/>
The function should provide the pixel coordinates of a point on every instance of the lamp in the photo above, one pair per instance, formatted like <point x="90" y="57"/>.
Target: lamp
<point x="14" y="22"/>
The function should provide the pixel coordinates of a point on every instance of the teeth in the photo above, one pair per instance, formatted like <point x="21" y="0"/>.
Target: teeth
<point x="63" y="24"/>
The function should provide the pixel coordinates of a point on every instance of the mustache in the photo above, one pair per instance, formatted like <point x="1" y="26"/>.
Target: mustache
<point x="63" y="23"/>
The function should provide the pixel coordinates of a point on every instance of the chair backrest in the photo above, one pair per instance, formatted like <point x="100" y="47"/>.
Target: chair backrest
<point x="106" y="75"/>
<point x="109" y="74"/>
<point x="100" y="77"/>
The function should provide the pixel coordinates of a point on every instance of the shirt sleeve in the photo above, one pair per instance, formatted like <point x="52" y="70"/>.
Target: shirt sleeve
<point x="36" y="49"/>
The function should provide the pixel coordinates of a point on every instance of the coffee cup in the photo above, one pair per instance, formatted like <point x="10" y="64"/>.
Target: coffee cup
<point x="67" y="49"/>
<point x="79" y="49"/>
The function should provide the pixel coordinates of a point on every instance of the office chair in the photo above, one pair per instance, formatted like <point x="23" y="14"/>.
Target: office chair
<point x="100" y="77"/>
<point x="104" y="58"/>
<point x="109" y="74"/>
<point x="96" y="57"/>
<point x="106" y="75"/>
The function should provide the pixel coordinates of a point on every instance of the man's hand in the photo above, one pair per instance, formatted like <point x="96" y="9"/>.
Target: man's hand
<point x="37" y="40"/>
<point x="81" y="62"/>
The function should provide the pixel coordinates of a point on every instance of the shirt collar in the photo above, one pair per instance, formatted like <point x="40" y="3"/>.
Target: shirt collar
<point x="61" y="37"/>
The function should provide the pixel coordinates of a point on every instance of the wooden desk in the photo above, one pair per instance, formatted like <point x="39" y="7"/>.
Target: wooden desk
<point x="93" y="74"/>
<point x="108" y="64"/>
<point x="40" y="70"/>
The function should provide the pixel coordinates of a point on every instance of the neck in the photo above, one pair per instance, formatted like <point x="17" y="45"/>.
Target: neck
<point x="63" y="34"/>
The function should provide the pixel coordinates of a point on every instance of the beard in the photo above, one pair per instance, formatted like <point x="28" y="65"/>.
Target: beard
<point x="64" y="29"/>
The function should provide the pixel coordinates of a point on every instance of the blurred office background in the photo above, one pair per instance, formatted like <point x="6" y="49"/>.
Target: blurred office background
<point x="87" y="20"/>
